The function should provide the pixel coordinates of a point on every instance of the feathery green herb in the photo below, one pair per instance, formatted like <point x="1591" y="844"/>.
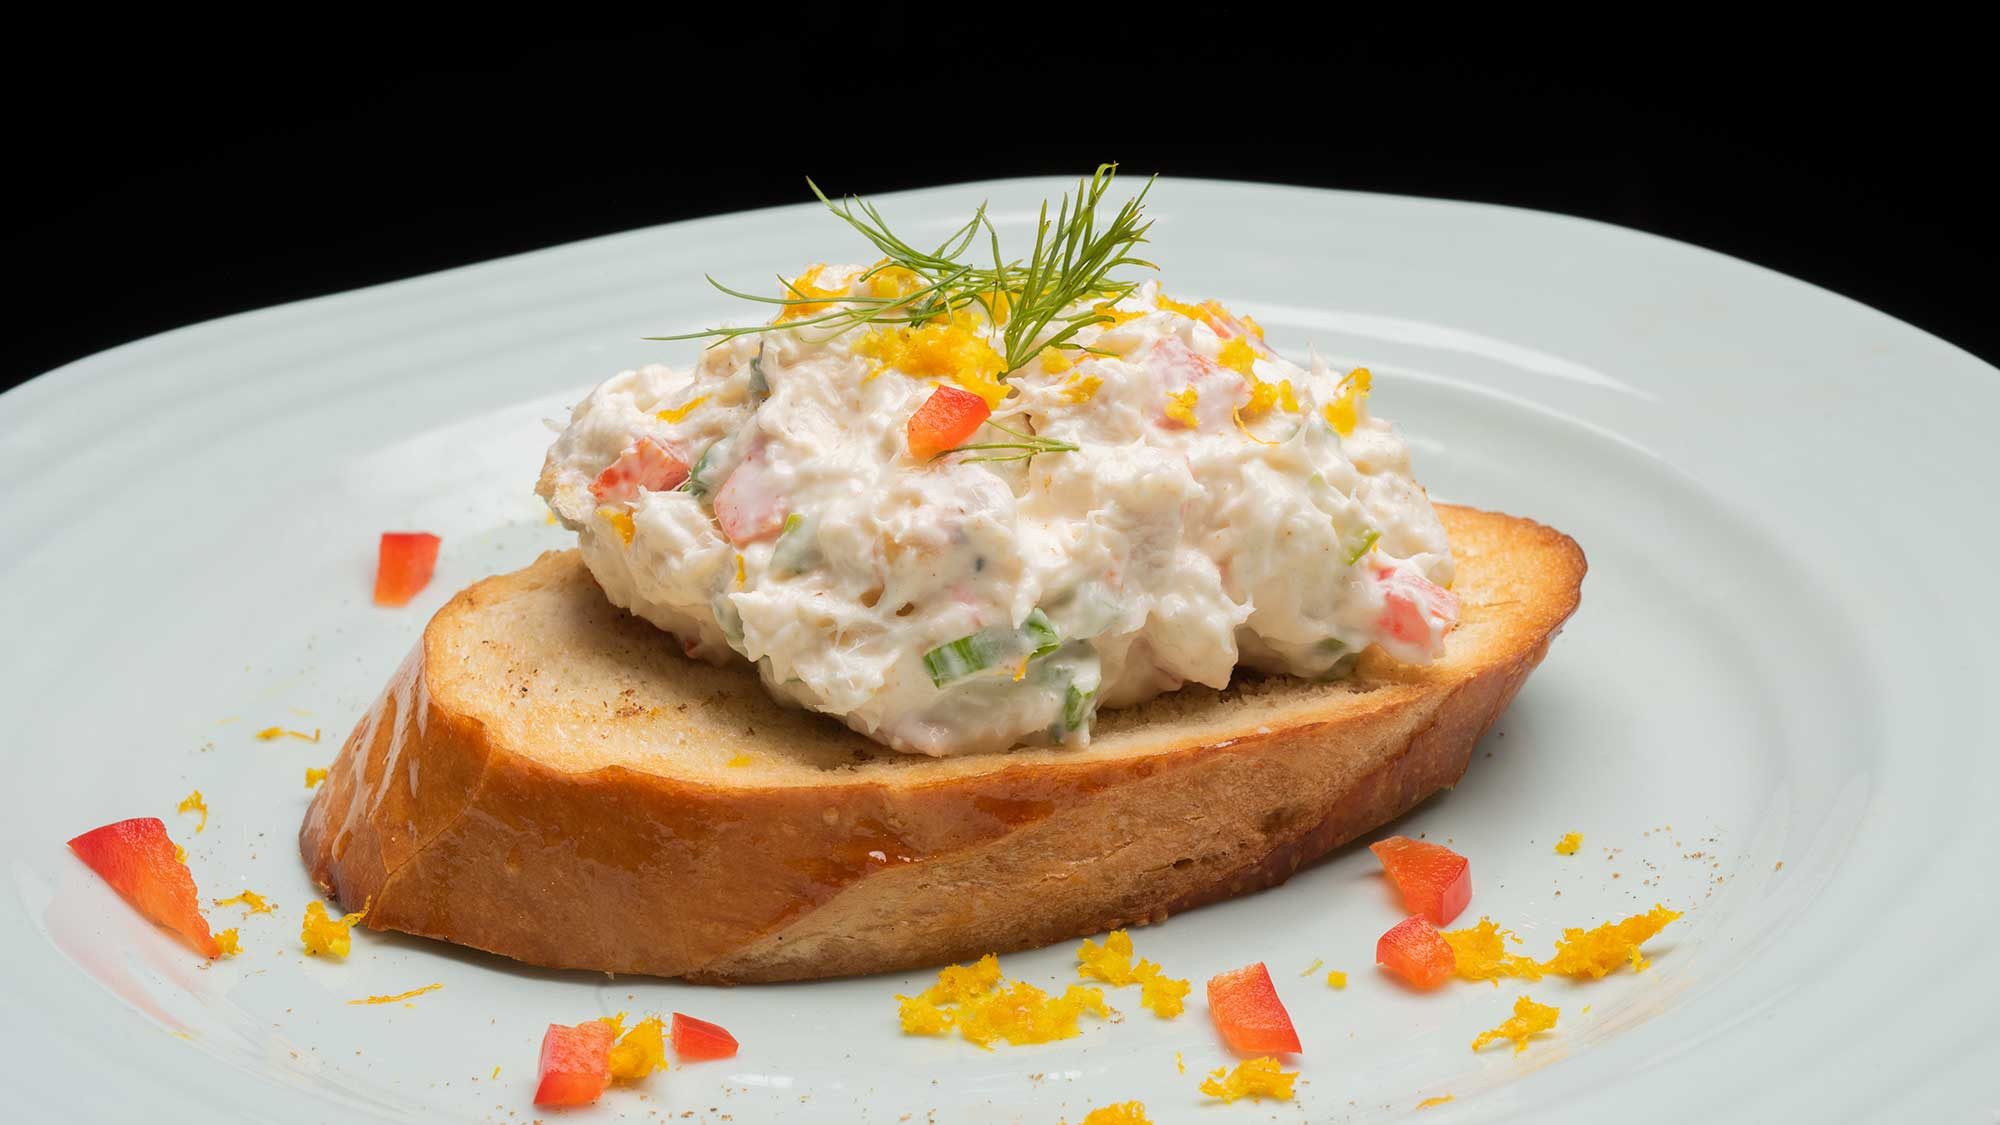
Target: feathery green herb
<point x="1074" y="261"/>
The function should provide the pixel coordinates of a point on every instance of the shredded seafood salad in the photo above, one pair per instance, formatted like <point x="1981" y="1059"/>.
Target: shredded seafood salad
<point x="963" y="507"/>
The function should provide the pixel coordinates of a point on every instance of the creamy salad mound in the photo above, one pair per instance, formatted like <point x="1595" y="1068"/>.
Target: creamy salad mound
<point x="952" y="557"/>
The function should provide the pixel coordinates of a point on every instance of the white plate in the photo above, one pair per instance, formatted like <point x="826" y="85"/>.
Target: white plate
<point x="1785" y="656"/>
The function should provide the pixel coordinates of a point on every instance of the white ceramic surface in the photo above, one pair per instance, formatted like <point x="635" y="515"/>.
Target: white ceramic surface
<point x="1785" y="656"/>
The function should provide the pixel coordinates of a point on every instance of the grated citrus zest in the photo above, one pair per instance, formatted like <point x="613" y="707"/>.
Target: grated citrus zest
<point x="1570" y="842"/>
<point x="1344" y="413"/>
<point x="414" y="992"/>
<point x="641" y="1051"/>
<point x="983" y="1006"/>
<point x="1529" y="1019"/>
<point x="1260" y="1077"/>
<point x="955" y="350"/>
<point x="677" y="413"/>
<point x="1112" y="963"/>
<point x="1593" y="953"/>
<point x="327" y="936"/>
<point x="1481" y="954"/>
<point x="805" y="285"/>
<point x="250" y="901"/>
<point x="194" y="803"/>
<point x="620" y="521"/>
<point x="1121" y="1113"/>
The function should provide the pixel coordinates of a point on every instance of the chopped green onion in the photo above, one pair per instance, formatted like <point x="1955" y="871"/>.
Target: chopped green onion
<point x="1077" y="708"/>
<point x="954" y="661"/>
<point x="1367" y="540"/>
<point x="759" y="385"/>
<point x="698" y="482"/>
<point x="970" y="655"/>
<point x="797" y="549"/>
<point x="1041" y="632"/>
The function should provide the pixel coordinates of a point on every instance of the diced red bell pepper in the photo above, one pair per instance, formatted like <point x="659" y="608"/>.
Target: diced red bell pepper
<point x="576" y="1064"/>
<point x="403" y="565"/>
<point x="1245" y="1007"/>
<point x="1414" y="950"/>
<point x="648" y="466"/>
<point x="699" y="1040"/>
<point x="749" y="505"/>
<point x="1435" y="881"/>
<point x="945" y="420"/>
<point x="138" y="860"/>
<point x="1410" y="603"/>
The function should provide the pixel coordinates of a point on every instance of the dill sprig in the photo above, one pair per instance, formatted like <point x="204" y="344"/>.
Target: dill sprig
<point x="1073" y="261"/>
<point x="1024" y="447"/>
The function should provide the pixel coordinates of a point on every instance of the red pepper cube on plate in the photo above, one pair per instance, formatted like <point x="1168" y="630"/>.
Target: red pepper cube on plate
<point x="944" y="421"/>
<point x="1414" y="950"/>
<point x="139" y="861"/>
<point x="403" y="566"/>
<point x="699" y="1040"/>
<point x="575" y="1065"/>
<point x="1436" y="882"/>
<point x="1245" y="1007"/>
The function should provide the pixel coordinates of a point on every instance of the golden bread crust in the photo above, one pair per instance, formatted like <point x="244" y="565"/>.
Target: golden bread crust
<point x="549" y="779"/>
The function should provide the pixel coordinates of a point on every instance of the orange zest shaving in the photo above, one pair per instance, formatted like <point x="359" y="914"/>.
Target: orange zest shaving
<point x="1570" y="842"/>
<point x="1529" y="1019"/>
<point x="314" y="776"/>
<point x="1112" y="963"/>
<point x="1237" y="414"/>
<point x="1432" y="1103"/>
<point x="1480" y="953"/>
<point x="984" y="1006"/>
<point x="641" y="1051"/>
<point x="955" y="350"/>
<point x="805" y="286"/>
<point x="194" y="803"/>
<point x="1593" y="953"/>
<point x="886" y="280"/>
<point x="1344" y="413"/>
<point x="1260" y="1077"/>
<point x="324" y="935"/>
<point x="1055" y="361"/>
<point x="1336" y="979"/>
<point x="226" y="944"/>
<point x="620" y="521"/>
<point x="1122" y="1113"/>
<point x="250" y="901"/>
<point x="271" y="734"/>
<point x="1117" y="315"/>
<point x="1180" y="407"/>
<point x="398" y="996"/>
<point x="1081" y="388"/>
<point x="677" y="413"/>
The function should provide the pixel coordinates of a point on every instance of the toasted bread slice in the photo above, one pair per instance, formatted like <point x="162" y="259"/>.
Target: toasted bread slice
<point x="548" y="778"/>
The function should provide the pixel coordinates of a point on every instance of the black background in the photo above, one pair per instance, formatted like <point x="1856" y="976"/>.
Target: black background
<point x="165" y="176"/>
